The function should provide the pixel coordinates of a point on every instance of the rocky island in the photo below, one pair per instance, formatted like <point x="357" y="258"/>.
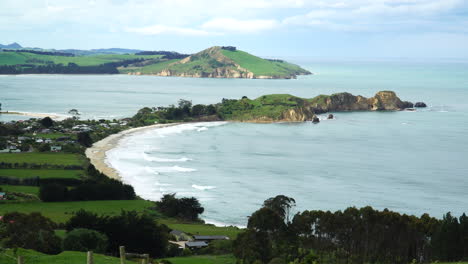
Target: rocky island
<point x="272" y="108"/>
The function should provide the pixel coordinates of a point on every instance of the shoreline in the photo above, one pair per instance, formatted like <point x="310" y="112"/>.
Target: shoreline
<point x="37" y="115"/>
<point x="97" y="153"/>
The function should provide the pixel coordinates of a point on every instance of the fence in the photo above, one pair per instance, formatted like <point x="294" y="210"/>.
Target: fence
<point x="90" y="257"/>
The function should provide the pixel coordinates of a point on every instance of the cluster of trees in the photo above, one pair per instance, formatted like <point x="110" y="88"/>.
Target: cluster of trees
<point x="51" y="53"/>
<point x="70" y="68"/>
<point x="87" y="191"/>
<point x="183" y="208"/>
<point x="183" y="111"/>
<point x="97" y="187"/>
<point x="85" y="231"/>
<point x="170" y="55"/>
<point x="351" y="236"/>
<point x="138" y="232"/>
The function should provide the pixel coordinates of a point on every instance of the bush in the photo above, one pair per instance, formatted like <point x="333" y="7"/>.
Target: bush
<point x="82" y="239"/>
<point x="184" y="208"/>
<point x="30" y="231"/>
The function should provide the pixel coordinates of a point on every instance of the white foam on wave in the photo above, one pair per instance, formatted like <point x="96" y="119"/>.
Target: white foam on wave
<point x="156" y="159"/>
<point x="203" y="188"/>
<point x="173" y="169"/>
<point x="133" y="160"/>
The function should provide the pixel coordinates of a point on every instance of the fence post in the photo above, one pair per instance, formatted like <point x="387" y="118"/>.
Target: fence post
<point x="90" y="259"/>
<point x="20" y="260"/>
<point x="122" y="254"/>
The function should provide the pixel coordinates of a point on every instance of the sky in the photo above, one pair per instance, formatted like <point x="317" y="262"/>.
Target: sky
<point x="295" y="28"/>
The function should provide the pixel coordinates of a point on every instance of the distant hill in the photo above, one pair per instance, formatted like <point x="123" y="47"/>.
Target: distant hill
<point x="11" y="46"/>
<point x="214" y="62"/>
<point x="220" y="62"/>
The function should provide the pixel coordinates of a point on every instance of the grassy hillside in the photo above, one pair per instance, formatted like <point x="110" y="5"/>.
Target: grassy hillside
<point x="270" y="106"/>
<point x="14" y="58"/>
<point x="262" y="67"/>
<point x="221" y="63"/>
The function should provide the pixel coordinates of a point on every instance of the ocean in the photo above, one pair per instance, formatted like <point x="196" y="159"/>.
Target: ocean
<point x="410" y="162"/>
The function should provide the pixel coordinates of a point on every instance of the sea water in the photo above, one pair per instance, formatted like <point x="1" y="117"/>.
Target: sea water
<point x="410" y="162"/>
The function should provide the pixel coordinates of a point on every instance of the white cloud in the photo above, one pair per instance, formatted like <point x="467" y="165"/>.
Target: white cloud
<point x="241" y="26"/>
<point x="162" y="29"/>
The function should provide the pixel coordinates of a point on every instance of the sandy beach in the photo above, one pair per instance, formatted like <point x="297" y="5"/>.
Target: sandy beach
<point x="37" y="115"/>
<point x="97" y="152"/>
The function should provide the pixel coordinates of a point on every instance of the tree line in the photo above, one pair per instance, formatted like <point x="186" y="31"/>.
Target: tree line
<point x="70" y="68"/>
<point x="354" y="235"/>
<point x="51" y="53"/>
<point x="170" y="55"/>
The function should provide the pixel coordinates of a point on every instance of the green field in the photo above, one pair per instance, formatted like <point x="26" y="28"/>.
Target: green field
<point x="14" y="58"/>
<point x="261" y="66"/>
<point x="42" y="173"/>
<point x="202" y="229"/>
<point x="66" y="257"/>
<point x="20" y="189"/>
<point x="42" y="158"/>
<point x="60" y="212"/>
<point x="149" y="69"/>
<point x="221" y="259"/>
<point x="51" y="135"/>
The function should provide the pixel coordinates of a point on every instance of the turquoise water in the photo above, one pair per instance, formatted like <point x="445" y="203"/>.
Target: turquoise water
<point x="412" y="162"/>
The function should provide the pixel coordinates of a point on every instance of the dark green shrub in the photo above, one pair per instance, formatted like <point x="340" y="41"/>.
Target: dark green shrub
<point x="82" y="239"/>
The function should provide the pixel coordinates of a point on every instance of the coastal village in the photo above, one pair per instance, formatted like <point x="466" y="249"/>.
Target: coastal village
<point x="39" y="155"/>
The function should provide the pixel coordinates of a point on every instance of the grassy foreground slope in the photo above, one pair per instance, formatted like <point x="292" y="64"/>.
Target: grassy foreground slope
<point x="66" y="257"/>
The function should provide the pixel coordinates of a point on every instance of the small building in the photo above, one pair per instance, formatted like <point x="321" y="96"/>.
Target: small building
<point x="196" y="244"/>
<point x="55" y="148"/>
<point x="48" y="141"/>
<point x="210" y="238"/>
<point x="39" y="140"/>
<point x="2" y="196"/>
<point x="180" y="236"/>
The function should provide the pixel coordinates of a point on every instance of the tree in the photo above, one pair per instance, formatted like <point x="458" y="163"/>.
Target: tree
<point x="265" y="220"/>
<point x="85" y="139"/>
<point x="53" y="193"/>
<point x="30" y="231"/>
<point x="282" y="205"/>
<point x="251" y="246"/>
<point x="74" y="113"/>
<point x="47" y="122"/>
<point x="82" y="239"/>
<point x="184" y="208"/>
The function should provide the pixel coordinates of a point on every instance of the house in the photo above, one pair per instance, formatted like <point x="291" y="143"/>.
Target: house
<point x="4" y="150"/>
<point x="39" y="140"/>
<point x="2" y="196"/>
<point x="180" y="236"/>
<point x="195" y="244"/>
<point x="48" y="141"/>
<point x="210" y="238"/>
<point x="55" y="148"/>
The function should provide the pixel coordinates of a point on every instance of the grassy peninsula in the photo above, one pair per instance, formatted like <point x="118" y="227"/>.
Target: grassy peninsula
<point x="214" y="62"/>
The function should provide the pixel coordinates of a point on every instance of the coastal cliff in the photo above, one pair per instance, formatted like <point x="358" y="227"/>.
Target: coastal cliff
<point x="272" y="108"/>
<point x="288" y="108"/>
<point x="223" y="62"/>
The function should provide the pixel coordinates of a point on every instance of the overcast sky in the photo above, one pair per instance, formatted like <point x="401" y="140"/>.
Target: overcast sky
<point x="312" y="28"/>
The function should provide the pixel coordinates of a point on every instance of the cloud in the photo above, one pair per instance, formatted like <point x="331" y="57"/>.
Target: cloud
<point x="240" y="26"/>
<point x="162" y="29"/>
<point x="377" y="15"/>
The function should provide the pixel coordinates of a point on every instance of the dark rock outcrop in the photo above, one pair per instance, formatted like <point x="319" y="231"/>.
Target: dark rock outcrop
<point x="420" y="104"/>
